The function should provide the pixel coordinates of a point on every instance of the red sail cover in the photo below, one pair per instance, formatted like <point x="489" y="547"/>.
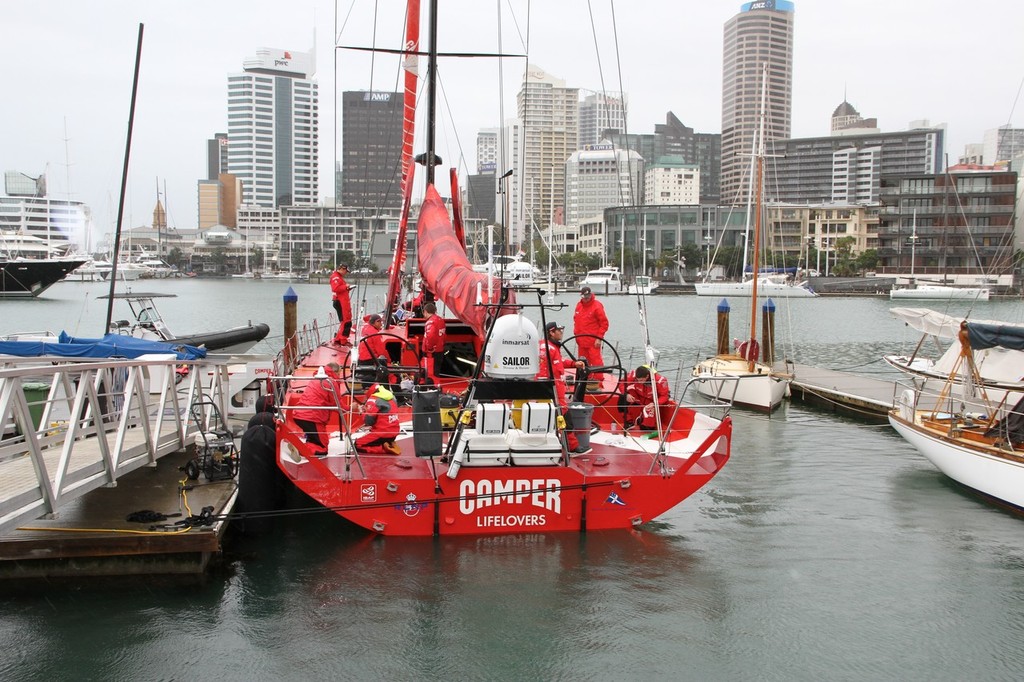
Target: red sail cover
<point x="460" y="230"/>
<point x="446" y="269"/>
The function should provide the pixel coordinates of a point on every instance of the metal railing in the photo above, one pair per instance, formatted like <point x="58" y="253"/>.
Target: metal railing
<point x="71" y="426"/>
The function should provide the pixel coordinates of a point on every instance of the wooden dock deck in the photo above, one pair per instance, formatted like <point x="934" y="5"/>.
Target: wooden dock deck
<point x="842" y="392"/>
<point x="91" y="536"/>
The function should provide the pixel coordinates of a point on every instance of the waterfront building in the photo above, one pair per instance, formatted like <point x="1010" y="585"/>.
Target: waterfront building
<point x="761" y="34"/>
<point x="848" y="168"/>
<point x="371" y="150"/>
<point x="792" y="228"/>
<point x="955" y="226"/>
<point x="272" y="128"/>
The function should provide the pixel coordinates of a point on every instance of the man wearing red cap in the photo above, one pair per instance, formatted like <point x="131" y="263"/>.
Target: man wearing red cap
<point x="342" y="302"/>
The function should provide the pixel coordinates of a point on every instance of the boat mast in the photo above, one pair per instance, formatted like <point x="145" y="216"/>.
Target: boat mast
<point x="913" y="244"/>
<point x="757" y="219"/>
<point x="429" y="158"/>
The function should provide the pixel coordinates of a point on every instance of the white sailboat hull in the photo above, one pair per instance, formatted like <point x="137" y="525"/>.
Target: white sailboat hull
<point x="727" y="377"/>
<point x="937" y="292"/>
<point x="977" y="467"/>
<point x="765" y="287"/>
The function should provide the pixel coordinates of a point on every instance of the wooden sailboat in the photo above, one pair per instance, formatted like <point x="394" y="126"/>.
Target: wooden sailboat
<point x="741" y="376"/>
<point x="968" y="434"/>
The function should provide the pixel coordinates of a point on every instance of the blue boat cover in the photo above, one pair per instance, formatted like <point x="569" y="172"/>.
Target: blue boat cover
<point x="984" y="336"/>
<point x="110" y="346"/>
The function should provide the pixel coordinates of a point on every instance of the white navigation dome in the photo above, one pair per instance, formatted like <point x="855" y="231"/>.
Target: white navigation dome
<point x="513" y="351"/>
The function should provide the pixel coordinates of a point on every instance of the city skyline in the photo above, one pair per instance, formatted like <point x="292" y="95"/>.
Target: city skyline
<point x="76" y="61"/>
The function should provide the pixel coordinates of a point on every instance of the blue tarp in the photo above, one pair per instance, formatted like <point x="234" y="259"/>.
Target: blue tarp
<point x="984" y="336"/>
<point x="110" y="346"/>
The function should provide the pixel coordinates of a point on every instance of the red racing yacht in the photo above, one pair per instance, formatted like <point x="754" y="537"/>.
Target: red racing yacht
<point x="485" y="450"/>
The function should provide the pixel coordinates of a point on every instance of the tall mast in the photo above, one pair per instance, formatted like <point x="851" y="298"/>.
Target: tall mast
<point x="757" y="216"/>
<point x="430" y="160"/>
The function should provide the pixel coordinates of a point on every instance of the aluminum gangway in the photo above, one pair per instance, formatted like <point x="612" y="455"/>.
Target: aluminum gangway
<point x="71" y="426"/>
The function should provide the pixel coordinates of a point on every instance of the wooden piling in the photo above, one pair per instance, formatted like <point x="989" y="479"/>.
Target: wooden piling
<point x="768" y="331"/>
<point x="291" y="342"/>
<point x="723" y="328"/>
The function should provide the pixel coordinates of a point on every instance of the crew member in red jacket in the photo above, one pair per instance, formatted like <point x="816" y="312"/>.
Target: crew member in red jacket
<point x="553" y="366"/>
<point x="380" y="414"/>
<point x="589" y="319"/>
<point x="342" y="301"/>
<point x="321" y="397"/>
<point x="371" y="345"/>
<point x="435" y="329"/>
<point x="648" y="390"/>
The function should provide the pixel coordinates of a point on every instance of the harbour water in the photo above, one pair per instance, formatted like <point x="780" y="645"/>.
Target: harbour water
<point x="826" y="549"/>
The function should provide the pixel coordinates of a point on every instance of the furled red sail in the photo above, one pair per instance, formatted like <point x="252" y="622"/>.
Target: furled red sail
<point x="447" y="271"/>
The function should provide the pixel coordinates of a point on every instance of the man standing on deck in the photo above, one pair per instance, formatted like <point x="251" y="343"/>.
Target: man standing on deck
<point x="435" y="329"/>
<point x="342" y="301"/>
<point x="589" y="321"/>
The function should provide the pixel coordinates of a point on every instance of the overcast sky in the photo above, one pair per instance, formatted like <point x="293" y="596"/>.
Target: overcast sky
<point x="68" y="67"/>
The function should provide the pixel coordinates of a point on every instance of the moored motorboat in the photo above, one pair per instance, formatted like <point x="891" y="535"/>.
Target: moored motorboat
<point x="29" y="266"/>
<point x="148" y="323"/>
<point x="606" y="280"/>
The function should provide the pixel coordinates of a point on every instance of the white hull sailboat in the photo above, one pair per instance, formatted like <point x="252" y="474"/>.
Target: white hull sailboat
<point x="932" y="292"/>
<point x="939" y="292"/>
<point x="766" y="286"/>
<point x="741" y="377"/>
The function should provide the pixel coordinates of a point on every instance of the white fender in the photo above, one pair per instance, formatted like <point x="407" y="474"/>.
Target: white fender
<point x="907" y="401"/>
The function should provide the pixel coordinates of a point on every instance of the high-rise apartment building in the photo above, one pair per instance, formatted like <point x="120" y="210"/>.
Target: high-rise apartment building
<point x="371" y="149"/>
<point x="548" y="113"/>
<point x="488" y="150"/>
<point x="600" y="113"/>
<point x="761" y="34"/>
<point x="599" y="177"/>
<point x="272" y="128"/>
